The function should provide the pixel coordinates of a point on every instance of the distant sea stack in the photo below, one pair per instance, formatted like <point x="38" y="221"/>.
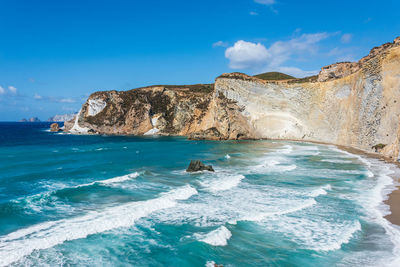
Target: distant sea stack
<point x="33" y="119"/>
<point x="354" y="104"/>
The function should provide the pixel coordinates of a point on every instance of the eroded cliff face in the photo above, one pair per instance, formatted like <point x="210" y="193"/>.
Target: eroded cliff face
<point x="351" y="104"/>
<point x="193" y="111"/>
<point x="360" y="109"/>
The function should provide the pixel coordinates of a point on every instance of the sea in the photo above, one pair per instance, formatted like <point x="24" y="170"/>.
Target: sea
<point x="93" y="200"/>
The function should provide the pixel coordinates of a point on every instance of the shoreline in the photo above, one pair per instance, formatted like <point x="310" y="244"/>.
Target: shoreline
<point x="393" y="198"/>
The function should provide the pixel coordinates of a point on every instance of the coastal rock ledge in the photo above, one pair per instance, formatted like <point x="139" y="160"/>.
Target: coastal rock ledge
<point x="351" y="104"/>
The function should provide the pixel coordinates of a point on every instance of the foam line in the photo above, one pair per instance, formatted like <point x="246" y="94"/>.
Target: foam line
<point x="18" y="244"/>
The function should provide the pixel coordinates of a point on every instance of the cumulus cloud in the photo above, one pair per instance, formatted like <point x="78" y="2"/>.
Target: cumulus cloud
<point x="2" y="91"/>
<point x="220" y="44"/>
<point x="346" y="38"/>
<point x="252" y="13"/>
<point x="265" y="2"/>
<point x="12" y="89"/>
<point x="249" y="55"/>
<point x="244" y="55"/>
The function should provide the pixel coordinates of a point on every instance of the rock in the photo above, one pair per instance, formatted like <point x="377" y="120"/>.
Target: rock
<point x="338" y="70"/>
<point x="34" y="119"/>
<point x="197" y="165"/>
<point x="378" y="147"/>
<point x="54" y="127"/>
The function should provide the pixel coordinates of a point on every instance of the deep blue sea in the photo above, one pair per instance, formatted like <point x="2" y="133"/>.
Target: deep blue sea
<point x="71" y="200"/>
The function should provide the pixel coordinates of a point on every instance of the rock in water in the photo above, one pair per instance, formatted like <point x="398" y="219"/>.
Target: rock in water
<point x="54" y="127"/>
<point x="197" y="165"/>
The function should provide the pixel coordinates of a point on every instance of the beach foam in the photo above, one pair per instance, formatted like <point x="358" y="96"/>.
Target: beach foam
<point x="218" y="237"/>
<point x="23" y="242"/>
<point x="222" y="182"/>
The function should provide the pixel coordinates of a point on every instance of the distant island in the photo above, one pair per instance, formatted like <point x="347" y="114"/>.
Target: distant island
<point x="33" y="119"/>
<point x="55" y="118"/>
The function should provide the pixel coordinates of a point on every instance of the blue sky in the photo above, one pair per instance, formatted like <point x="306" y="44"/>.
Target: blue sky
<point x="53" y="54"/>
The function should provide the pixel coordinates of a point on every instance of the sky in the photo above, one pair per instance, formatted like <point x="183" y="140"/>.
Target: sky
<point x="54" y="54"/>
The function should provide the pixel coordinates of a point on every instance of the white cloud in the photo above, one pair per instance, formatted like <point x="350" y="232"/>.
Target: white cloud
<point x="2" y="91"/>
<point x="296" y="72"/>
<point x="346" y="38"/>
<point x="252" y="13"/>
<point x="265" y="2"/>
<point x="66" y="100"/>
<point x="12" y="89"/>
<point x="244" y="55"/>
<point x="37" y="97"/>
<point x="220" y="44"/>
<point x="248" y="55"/>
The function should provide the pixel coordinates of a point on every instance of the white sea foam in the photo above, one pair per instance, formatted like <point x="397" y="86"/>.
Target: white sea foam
<point x="287" y="149"/>
<point x="258" y="217"/>
<point x="218" y="237"/>
<point x="320" y="191"/>
<point x="222" y="181"/>
<point x="341" y="161"/>
<point x="18" y="244"/>
<point x="118" y="179"/>
<point x="272" y="164"/>
<point x="315" y="235"/>
<point x="350" y="155"/>
<point x="373" y="200"/>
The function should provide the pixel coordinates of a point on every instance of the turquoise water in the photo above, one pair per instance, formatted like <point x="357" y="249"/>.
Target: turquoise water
<point x="70" y="200"/>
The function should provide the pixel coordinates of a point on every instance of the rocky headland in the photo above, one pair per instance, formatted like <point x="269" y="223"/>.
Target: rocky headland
<point x="354" y="104"/>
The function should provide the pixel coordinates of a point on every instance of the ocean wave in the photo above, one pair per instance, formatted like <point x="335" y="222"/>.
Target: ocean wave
<point x="287" y="149"/>
<point x="317" y="235"/>
<point x="20" y="243"/>
<point x="350" y="155"/>
<point x="223" y="181"/>
<point x="258" y="217"/>
<point x="320" y="191"/>
<point x="217" y="237"/>
<point x="48" y="201"/>
<point x="269" y="164"/>
<point x="340" y="161"/>
<point x="118" y="179"/>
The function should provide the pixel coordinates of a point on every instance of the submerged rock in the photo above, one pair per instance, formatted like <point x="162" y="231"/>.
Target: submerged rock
<point x="54" y="127"/>
<point x="197" y="165"/>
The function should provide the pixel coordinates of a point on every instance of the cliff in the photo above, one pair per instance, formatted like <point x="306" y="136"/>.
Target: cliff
<point x="352" y="104"/>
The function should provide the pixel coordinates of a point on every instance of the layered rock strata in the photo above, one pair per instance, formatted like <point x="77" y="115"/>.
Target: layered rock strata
<point x="350" y="104"/>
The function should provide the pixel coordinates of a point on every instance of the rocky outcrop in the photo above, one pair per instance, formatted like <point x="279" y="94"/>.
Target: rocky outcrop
<point x="338" y="70"/>
<point x="197" y="165"/>
<point x="54" y="127"/>
<point x="162" y="110"/>
<point x="350" y="104"/>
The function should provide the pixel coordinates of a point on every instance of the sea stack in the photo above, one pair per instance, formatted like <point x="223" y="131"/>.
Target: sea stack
<point x="197" y="165"/>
